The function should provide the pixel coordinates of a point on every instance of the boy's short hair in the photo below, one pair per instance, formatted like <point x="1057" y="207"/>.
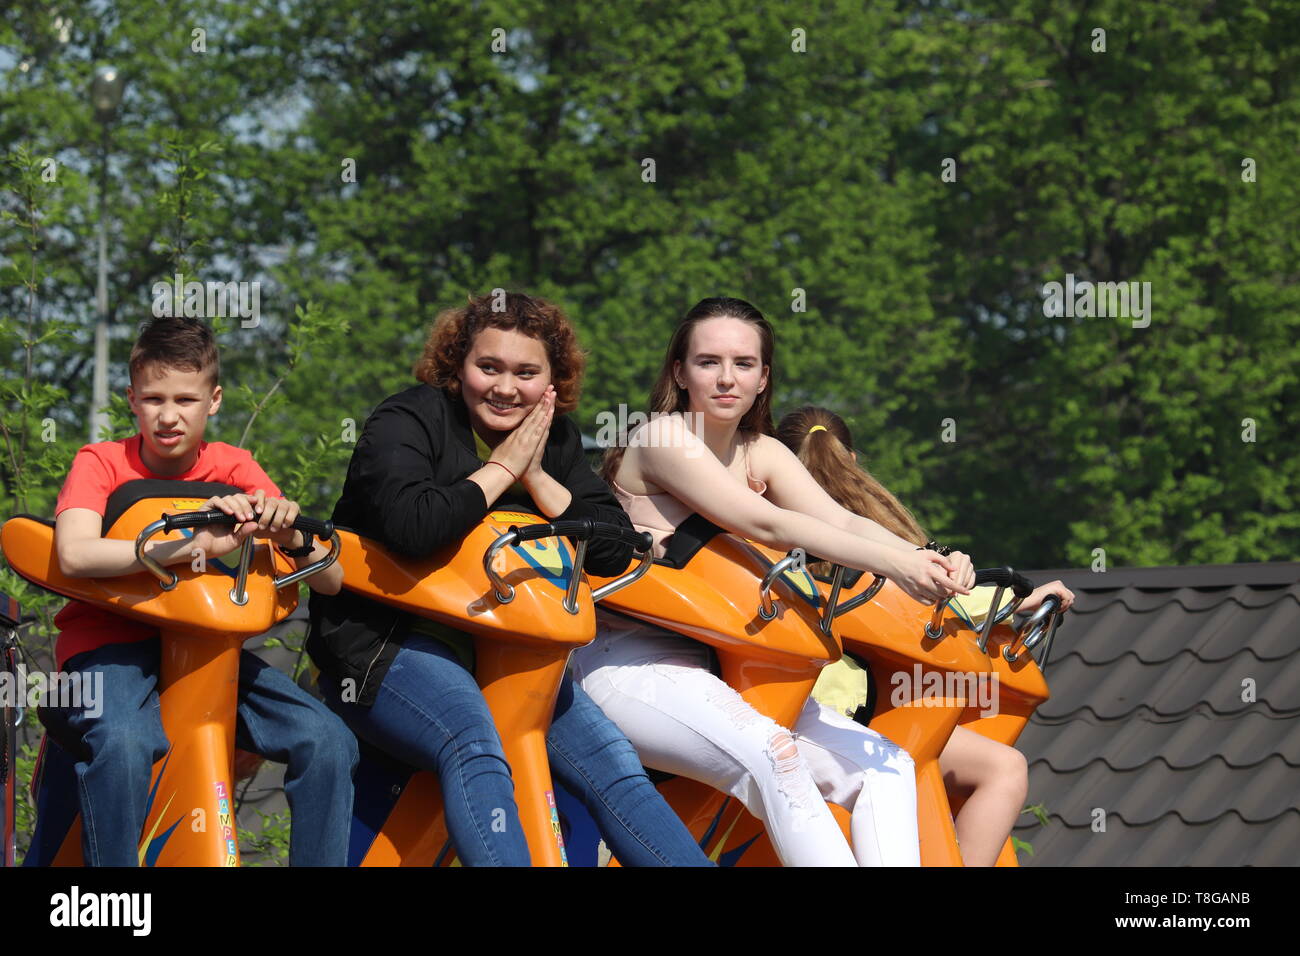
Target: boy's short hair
<point x="176" y="342"/>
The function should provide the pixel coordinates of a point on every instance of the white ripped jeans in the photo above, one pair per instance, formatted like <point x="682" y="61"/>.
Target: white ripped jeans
<point x="657" y="687"/>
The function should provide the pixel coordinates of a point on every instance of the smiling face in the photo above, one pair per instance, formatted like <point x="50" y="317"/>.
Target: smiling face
<point x="172" y="407"/>
<point x="723" y="372"/>
<point x="503" y="376"/>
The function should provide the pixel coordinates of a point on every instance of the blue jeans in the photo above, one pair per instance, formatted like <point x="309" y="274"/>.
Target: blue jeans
<point x="593" y="760"/>
<point x="430" y="714"/>
<point x="275" y="718"/>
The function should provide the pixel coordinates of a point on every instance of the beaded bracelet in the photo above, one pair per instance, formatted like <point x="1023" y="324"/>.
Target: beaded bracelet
<point x="932" y="545"/>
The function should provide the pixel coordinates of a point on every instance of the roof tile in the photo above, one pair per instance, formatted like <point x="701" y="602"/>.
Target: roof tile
<point x="1241" y="740"/>
<point x="1227" y="841"/>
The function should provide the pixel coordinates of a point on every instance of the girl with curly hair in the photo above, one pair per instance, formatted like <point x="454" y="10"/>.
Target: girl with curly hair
<point x="484" y="429"/>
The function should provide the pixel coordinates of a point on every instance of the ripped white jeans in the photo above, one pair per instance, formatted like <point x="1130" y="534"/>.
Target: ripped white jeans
<point x="657" y="687"/>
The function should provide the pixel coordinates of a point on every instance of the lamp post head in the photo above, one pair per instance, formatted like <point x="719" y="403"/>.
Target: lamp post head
<point x="106" y="92"/>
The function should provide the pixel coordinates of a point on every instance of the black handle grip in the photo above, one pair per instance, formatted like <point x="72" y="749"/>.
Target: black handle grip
<point x="1020" y="585"/>
<point x="584" y="528"/>
<point x="195" y="519"/>
<point x="314" y="526"/>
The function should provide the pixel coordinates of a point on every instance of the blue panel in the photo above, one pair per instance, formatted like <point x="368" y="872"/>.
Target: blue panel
<point x="378" y="783"/>
<point x="581" y="838"/>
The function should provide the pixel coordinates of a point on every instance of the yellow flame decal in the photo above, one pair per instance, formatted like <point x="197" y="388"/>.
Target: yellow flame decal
<point x="717" y="850"/>
<point x="801" y="583"/>
<point x="547" y="554"/>
<point x="144" y="844"/>
<point x="515" y="517"/>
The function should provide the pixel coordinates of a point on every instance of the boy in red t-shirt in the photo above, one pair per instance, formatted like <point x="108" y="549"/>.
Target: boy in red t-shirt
<point x="174" y="389"/>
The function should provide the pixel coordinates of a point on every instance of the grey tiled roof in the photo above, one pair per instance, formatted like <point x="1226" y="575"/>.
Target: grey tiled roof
<point x="1147" y="720"/>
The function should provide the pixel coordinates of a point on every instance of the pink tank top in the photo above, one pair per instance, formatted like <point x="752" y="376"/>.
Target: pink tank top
<point x="661" y="513"/>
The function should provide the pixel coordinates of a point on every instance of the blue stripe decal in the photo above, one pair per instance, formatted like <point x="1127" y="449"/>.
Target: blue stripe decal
<point x="713" y="827"/>
<point x="156" y="844"/>
<point x="732" y="857"/>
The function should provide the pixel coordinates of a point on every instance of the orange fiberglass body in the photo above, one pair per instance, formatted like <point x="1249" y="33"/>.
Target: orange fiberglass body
<point x="1021" y="688"/>
<point x="522" y="645"/>
<point x="202" y="627"/>
<point x="717" y="598"/>
<point x="712" y="596"/>
<point x="940" y="674"/>
<point x="915" y="710"/>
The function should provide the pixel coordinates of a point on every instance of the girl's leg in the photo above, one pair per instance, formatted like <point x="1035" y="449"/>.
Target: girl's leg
<point x="996" y="777"/>
<point x="591" y="758"/>
<point x="430" y="714"/>
<point x="870" y="776"/>
<point x="683" y="720"/>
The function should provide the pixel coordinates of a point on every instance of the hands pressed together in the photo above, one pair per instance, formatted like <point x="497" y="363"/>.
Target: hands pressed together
<point x="520" y="452"/>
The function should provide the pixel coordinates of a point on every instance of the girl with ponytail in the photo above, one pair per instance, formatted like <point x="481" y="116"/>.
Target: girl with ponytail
<point x="993" y="776"/>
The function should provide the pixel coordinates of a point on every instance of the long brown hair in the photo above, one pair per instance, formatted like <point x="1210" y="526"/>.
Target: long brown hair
<point x="453" y="332"/>
<point x="823" y="443"/>
<point x="666" y="397"/>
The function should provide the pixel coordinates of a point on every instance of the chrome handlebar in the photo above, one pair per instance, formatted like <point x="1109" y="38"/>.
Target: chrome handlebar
<point x="505" y="592"/>
<point x="1033" y="631"/>
<point x="168" y="579"/>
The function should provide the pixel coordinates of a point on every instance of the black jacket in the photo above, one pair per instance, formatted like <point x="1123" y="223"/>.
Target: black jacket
<point x="407" y="488"/>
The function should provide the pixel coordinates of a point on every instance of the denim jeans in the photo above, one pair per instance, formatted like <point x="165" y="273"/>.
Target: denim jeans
<point x="275" y="718"/>
<point x="592" y="759"/>
<point x="429" y="713"/>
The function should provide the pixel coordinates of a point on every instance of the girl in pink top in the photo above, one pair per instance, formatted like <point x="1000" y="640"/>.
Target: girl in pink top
<point x="657" y="686"/>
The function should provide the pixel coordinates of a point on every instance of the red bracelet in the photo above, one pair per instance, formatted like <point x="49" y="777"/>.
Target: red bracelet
<point x="508" y="471"/>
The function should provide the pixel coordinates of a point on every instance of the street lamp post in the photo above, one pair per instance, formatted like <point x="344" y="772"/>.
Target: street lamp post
<point x="105" y="95"/>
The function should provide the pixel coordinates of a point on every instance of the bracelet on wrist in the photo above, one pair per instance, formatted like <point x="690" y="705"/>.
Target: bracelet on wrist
<point x="507" y="470"/>
<point x="308" y="546"/>
<point x="933" y="545"/>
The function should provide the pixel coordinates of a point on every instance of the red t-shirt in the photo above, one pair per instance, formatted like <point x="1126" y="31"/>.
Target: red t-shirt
<point x="97" y="471"/>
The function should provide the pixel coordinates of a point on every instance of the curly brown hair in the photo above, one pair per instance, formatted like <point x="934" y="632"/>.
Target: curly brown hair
<point x="454" y="330"/>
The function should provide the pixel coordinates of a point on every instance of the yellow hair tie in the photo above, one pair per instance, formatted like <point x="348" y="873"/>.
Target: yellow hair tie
<point x="817" y="428"/>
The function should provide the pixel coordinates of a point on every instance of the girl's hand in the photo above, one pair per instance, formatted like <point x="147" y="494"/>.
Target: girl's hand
<point x="964" y="571"/>
<point x="925" y="576"/>
<point x="547" y="405"/>
<point x="521" y="446"/>
<point x="1036" y="597"/>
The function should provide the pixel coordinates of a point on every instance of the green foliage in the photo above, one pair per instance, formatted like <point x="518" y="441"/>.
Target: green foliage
<point x="268" y="844"/>
<point x="186" y="202"/>
<point x="24" y="806"/>
<point x="370" y="171"/>
<point x="1040" y="814"/>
